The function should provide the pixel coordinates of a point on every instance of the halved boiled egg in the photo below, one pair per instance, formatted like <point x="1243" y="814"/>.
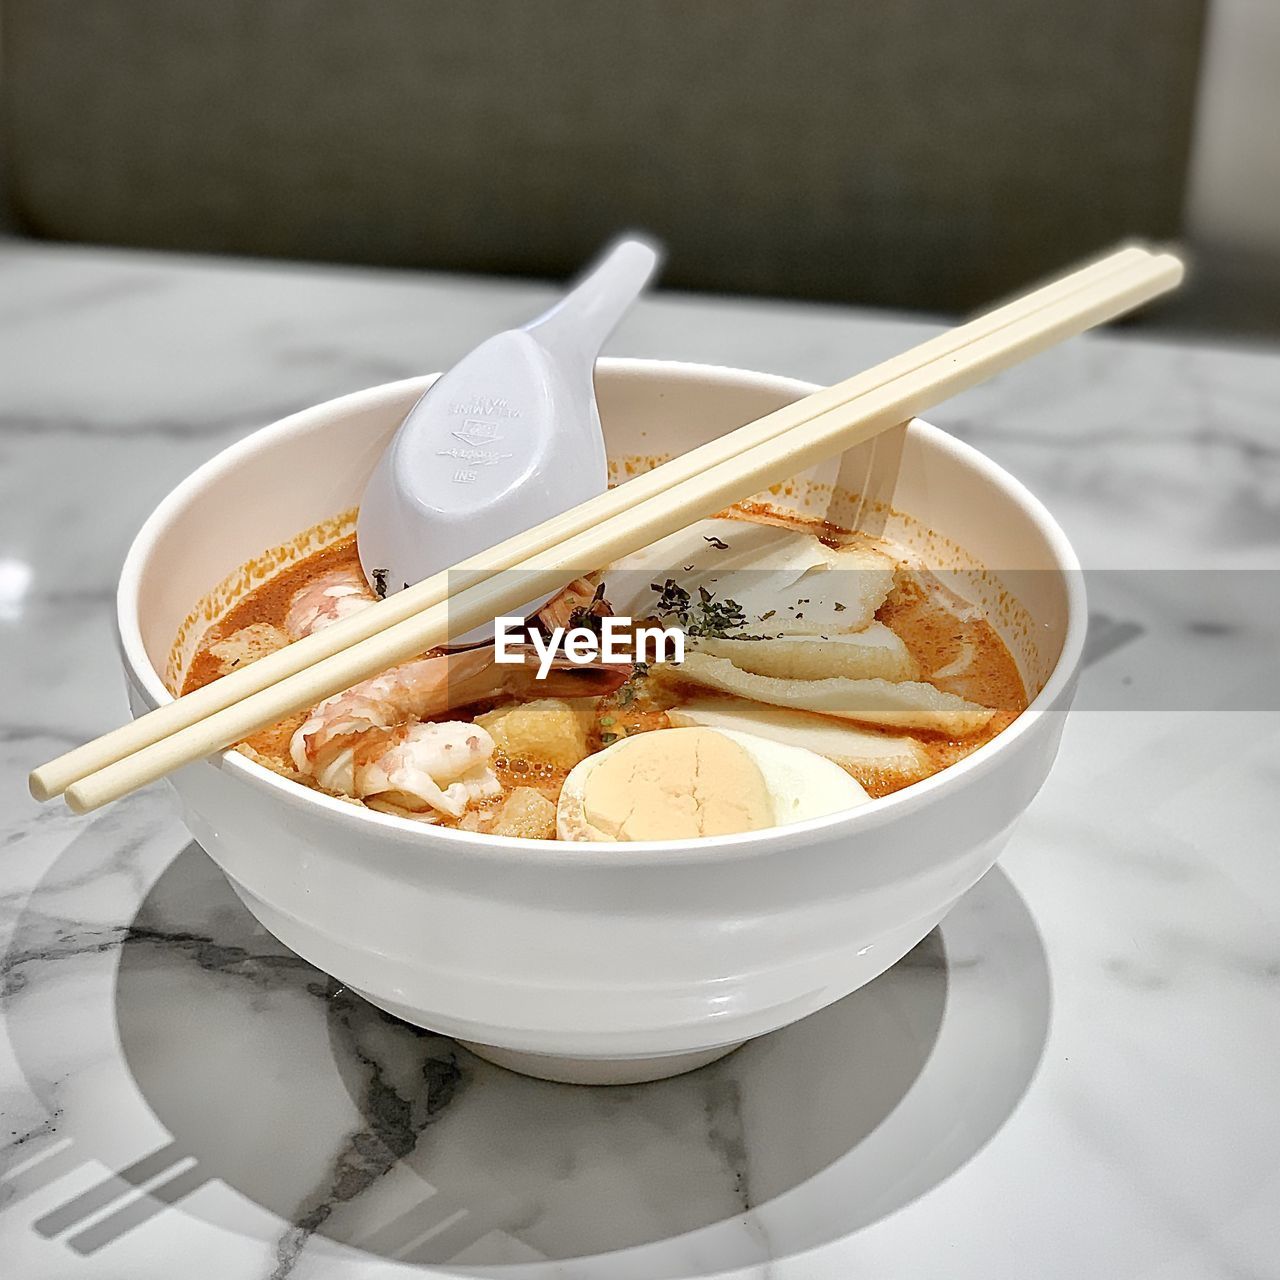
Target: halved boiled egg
<point x="680" y="784"/>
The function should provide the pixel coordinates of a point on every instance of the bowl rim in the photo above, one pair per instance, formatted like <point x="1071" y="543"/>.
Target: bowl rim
<point x="445" y="841"/>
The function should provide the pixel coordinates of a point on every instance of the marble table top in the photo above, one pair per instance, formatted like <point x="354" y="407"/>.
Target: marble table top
<point x="1075" y="1077"/>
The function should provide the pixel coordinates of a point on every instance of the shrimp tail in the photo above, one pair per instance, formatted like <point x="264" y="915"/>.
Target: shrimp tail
<point x="583" y="597"/>
<point x="570" y="680"/>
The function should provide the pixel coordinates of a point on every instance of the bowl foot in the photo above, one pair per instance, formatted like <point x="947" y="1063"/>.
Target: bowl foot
<point x="550" y="1066"/>
<point x="545" y="1066"/>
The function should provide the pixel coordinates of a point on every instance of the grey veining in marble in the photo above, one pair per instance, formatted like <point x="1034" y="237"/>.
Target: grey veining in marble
<point x="1074" y="1077"/>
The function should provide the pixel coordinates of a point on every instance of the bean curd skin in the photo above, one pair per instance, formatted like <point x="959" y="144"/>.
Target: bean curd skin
<point x="955" y="648"/>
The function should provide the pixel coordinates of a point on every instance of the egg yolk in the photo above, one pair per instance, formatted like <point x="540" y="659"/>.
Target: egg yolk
<point x="676" y="784"/>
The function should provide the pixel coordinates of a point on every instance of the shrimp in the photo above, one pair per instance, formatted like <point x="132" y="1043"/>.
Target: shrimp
<point x="583" y="594"/>
<point x="348" y="738"/>
<point x="418" y="767"/>
<point x="341" y="592"/>
<point x="378" y="740"/>
<point x="327" y="599"/>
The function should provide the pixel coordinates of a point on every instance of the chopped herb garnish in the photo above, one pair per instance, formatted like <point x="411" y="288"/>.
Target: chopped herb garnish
<point x="715" y="542"/>
<point x="718" y="618"/>
<point x="607" y="738"/>
<point x="585" y="617"/>
<point x="380" y="583"/>
<point x="673" y="600"/>
<point x="706" y="616"/>
<point x="764" y="617"/>
<point x="627" y="694"/>
<point x="839" y="607"/>
<point x="590" y="615"/>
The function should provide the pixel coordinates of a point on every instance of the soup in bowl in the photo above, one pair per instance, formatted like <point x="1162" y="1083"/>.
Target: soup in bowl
<point x="863" y="710"/>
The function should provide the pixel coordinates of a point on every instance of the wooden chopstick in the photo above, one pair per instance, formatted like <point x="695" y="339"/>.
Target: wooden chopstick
<point x="629" y="531"/>
<point x="53" y="778"/>
<point x="755" y="466"/>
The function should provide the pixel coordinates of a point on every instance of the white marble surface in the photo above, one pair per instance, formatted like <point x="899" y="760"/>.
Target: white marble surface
<point x="1074" y="1078"/>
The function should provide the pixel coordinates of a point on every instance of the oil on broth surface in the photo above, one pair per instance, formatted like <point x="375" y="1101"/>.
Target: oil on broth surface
<point x="954" y="647"/>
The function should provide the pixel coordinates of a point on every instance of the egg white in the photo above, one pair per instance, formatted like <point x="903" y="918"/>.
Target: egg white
<point x="801" y="784"/>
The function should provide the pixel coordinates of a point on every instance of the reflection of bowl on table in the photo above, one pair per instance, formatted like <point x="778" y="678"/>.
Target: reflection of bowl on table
<point x="623" y="961"/>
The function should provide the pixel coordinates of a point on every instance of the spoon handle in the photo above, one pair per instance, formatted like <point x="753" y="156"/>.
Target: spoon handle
<point x="578" y="324"/>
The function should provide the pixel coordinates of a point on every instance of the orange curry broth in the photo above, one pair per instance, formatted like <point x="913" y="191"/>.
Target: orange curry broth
<point x="934" y="636"/>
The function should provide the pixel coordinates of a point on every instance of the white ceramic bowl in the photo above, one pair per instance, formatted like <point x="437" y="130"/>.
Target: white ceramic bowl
<point x="605" y="962"/>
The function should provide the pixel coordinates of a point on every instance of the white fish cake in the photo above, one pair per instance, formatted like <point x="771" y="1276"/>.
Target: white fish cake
<point x="849" y="745"/>
<point x="902" y="705"/>
<point x="874" y="653"/>
<point x="841" y="597"/>
<point x="787" y="581"/>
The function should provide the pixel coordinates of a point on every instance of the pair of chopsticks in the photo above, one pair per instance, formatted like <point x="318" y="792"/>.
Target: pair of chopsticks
<point x="624" y="520"/>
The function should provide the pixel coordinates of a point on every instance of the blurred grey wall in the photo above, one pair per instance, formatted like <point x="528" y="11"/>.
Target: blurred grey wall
<point x="1235" y="177"/>
<point x="899" y="152"/>
<point x="8" y="214"/>
<point x="1233" y="206"/>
